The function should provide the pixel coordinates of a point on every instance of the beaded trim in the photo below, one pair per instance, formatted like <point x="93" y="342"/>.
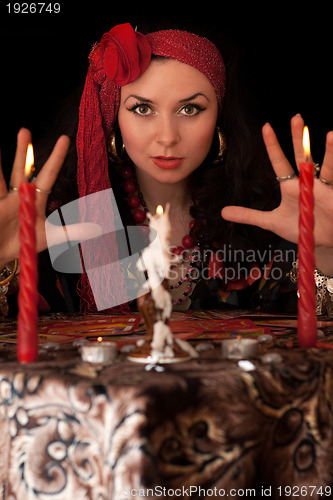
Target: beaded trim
<point x="324" y="289"/>
<point x="187" y="278"/>
<point x="324" y="292"/>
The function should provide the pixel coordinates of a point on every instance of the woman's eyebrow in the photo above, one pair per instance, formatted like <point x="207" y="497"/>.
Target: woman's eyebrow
<point x="139" y="98"/>
<point x="193" y="97"/>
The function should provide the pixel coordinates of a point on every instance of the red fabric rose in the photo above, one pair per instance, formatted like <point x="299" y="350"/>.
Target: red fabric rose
<point x="126" y="54"/>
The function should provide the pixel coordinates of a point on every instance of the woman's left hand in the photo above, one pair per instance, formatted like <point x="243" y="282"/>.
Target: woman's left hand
<point x="283" y="220"/>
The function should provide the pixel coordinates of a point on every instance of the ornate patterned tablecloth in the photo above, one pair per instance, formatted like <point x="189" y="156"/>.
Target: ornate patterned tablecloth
<point x="206" y="428"/>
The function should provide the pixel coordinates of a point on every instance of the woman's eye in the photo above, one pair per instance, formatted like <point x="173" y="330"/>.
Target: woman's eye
<point x="141" y="109"/>
<point x="190" y="110"/>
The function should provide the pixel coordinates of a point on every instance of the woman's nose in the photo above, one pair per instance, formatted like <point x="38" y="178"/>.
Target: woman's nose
<point x="166" y="132"/>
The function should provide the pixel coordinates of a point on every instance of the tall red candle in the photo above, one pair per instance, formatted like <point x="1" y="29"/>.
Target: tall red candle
<point x="307" y="321"/>
<point x="27" y="339"/>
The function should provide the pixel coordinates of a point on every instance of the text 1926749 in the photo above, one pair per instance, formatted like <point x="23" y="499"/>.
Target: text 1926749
<point x="33" y="8"/>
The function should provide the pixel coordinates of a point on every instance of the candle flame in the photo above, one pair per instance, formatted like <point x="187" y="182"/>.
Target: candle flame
<point x="159" y="210"/>
<point x="306" y="142"/>
<point x="29" y="161"/>
<point x="99" y="339"/>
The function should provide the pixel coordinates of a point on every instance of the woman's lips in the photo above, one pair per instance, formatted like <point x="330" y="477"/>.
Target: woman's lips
<point x="167" y="162"/>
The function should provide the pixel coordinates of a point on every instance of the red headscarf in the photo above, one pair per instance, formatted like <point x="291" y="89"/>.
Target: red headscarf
<point x="120" y="58"/>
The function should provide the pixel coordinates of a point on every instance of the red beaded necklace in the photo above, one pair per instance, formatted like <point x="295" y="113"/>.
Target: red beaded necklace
<point x="134" y="200"/>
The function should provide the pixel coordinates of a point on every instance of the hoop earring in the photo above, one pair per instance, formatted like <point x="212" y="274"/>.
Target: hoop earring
<point x="113" y="153"/>
<point x="219" y="157"/>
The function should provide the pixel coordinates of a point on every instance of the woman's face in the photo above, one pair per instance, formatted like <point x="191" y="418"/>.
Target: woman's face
<point x="167" y="118"/>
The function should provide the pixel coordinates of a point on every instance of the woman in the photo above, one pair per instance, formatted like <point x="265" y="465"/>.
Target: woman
<point x="165" y="98"/>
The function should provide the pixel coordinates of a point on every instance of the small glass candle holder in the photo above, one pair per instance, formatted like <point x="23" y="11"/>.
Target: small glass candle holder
<point x="99" y="351"/>
<point x="239" y="348"/>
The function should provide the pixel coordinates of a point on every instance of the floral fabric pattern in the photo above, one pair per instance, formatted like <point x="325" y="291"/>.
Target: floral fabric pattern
<point x="69" y="430"/>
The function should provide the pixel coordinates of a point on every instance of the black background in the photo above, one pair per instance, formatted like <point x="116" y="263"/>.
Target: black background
<point x="285" y="54"/>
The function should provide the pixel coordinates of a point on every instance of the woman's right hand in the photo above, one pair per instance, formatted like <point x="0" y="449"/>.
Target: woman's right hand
<point x="9" y="202"/>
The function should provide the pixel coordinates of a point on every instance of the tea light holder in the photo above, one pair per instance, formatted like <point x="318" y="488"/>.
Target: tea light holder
<point x="239" y="348"/>
<point x="99" y="352"/>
